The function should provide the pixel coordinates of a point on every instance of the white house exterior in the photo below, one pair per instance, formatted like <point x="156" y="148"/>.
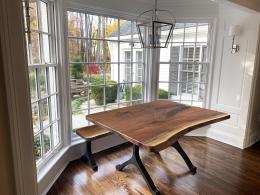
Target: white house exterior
<point x="182" y="73"/>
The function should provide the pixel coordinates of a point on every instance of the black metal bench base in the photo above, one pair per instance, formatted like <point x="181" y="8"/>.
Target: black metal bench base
<point x="135" y="160"/>
<point x="89" y="156"/>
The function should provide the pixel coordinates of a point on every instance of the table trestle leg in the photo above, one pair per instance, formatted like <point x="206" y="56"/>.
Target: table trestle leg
<point x="136" y="160"/>
<point x="185" y="157"/>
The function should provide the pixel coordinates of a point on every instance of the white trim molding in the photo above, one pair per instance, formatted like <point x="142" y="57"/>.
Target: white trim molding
<point x="17" y="89"/>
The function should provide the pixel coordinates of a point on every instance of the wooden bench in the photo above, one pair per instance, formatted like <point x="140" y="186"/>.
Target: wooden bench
<point x="91" y="133"/>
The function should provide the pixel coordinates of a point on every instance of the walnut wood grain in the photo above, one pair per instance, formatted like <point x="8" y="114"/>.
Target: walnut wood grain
<point x="92" y="132"/>
<point x="155" y="125"/>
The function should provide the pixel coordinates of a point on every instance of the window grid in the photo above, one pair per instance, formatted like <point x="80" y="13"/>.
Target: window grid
<point x="192" y="69"/>
<point x="124" y="85"/>
<point x="43" y="81"/>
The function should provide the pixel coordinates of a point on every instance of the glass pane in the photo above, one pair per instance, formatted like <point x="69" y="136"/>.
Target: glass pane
<point x="95" y="51"/>
<point x="137" y="91"/>
<point x="42" y="79"/>
<point x="54" y="113"/>
<point x="111" y="28"/>
<point x="163" y="91"/>
<point x="79" y="119"/>
<point x="35" y="117"/>
<point x="45" y="112"/>
<point x="33" y="88"/>
<point x="52" y="80"/>
<point x="125" y="30"/>
<point x="190" y="32"/>
<point x="178" y="33"/>
<point x="79" y="103"/>
<point x="37" y="147"/>
<point x="96" y="74"/>
<point x="55" y="134"/>
<point x="111" y="92"/>
<point x="137" y="72"/>
<point x="135" y="33"/>
<point x="112" y="72"/>
<point x="47" y="139"/>
<point x="44" y="17"/>
<point x="125" y="92"/>
<point x="93" y="27"/>
<point x="46" y="49"/>
<point x="97" y="96"/>
<point x="33" y="16"/>
<point x="77" y="49"/>
<point x="35" y="48"/>
<point x="111" y="51"/>
<point x="96" y="110"/>
<point x="202" y="33"/>
<point x="125" y="52"/>
<point x="76" y="24"/>
<point x="164" y="72"/>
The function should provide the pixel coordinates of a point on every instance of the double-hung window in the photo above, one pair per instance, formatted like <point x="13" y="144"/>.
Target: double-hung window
<point x="102" y="64"/>
<point x="184" y="65"/>
<point x="44" y="92"/>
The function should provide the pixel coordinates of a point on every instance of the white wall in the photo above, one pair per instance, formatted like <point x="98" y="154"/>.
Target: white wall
<point x="233" y="73"/>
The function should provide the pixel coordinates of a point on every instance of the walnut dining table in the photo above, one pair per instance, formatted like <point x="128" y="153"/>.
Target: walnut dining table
<point x="155" y="126"/>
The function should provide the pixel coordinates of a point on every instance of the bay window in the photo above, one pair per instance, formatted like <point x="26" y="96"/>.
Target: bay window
<point x="102" y="64"/>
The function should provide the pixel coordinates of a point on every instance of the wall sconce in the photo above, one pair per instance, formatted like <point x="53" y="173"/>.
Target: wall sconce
<point x="234" y="31"/>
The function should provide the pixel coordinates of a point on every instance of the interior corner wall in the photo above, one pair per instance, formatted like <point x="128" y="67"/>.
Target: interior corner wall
<point x="233" y="73"/>
<point x="7" y="179"/>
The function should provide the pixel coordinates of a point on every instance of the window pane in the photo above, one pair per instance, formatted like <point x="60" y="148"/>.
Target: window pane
<point x="33" y="88"/>
<point x="111" y="28"/>
<point x="42" y="79"/>
<point x="33" y="16"/>
<point x="111" y="92"/>
<point x="77" y="49"/>
<point x="35" y="48"/>
<point x="37" y="147"/>
<point x="164" y="72"/>
<point x="76" y="24"/>
<point x="125" y="30"/>
<point x="35" y="117"/>
<point x="45" y="112"/>
<point x="137" y="91"/>
<point x="54" y="113"/>
<point x="190" y="32"/>
<point x="55" y="134"/>
<point x="96" y="74"/>
<point x="79" y="119"/>
<point x="44" y="17"/>
<point x="202" y="33"/>
<point x="163" y="90"/>
<point x="97" y="96"/>
<point x="47" y="140"/>
<point x="111" y="51"/>
<point x="52" y="80"/>
<point x="93" y="26"/>
<point x="46" y="49"/>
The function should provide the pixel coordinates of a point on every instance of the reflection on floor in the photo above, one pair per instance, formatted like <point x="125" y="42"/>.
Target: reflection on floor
<point x="222" y="169"/>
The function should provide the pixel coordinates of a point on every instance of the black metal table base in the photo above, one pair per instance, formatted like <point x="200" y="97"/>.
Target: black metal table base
<point x="135" y="160"/>
<point x="185" y="157"/>
<point x="89" y="156"/>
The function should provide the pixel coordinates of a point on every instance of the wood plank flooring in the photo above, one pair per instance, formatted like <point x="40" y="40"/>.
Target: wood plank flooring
<point x="222" y="169"/>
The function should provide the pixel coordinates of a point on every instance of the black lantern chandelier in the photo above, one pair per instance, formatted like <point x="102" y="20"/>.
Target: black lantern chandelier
<point x="155" y="27"/>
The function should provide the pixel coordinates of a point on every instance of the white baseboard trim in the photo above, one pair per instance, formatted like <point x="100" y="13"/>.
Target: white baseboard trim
<point x="226" y="137"/>
<point x="252" y="138"/>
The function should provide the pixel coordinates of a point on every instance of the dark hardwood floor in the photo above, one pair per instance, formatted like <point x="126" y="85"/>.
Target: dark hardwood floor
<point x="222" y="169"/>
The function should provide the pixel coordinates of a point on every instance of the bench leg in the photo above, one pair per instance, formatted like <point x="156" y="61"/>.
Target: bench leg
<point x="136" y="160"/>
<point x="89" y="156"/>
<point x="185" y="157"/>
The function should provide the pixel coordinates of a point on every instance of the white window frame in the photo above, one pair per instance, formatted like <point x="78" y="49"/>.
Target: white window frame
<point x="45" y="157"/>
<point x="132" y="82"/>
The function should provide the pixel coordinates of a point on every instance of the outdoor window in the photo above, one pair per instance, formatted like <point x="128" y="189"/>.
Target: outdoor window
<point x="184" y="65"/>
<point x="43" y="82"/>
<point x="102" y="64"/>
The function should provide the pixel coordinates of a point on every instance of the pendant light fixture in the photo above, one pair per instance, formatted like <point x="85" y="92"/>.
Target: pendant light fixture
<point x="155" y="27"/>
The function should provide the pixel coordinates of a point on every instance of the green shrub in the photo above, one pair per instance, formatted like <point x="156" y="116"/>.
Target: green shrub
<point x="163" y="94"/>
<point x="76" y="103"/>
<point x="97" y="92"/>
<point x="136" y="93"/>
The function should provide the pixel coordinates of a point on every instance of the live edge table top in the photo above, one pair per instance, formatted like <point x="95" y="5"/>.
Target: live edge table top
<point x="155" y="125"/>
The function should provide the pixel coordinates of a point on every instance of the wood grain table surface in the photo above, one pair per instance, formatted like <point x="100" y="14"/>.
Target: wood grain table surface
<point x="156" y="125"/>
